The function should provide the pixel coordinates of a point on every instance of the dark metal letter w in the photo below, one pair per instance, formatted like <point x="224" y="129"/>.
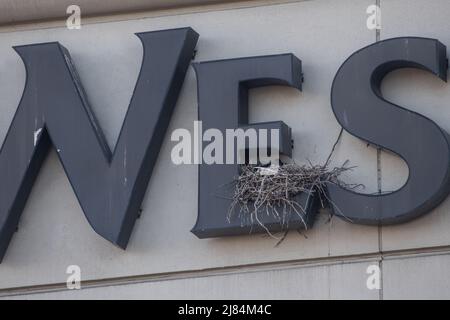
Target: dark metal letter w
<point x="109" y="185"/>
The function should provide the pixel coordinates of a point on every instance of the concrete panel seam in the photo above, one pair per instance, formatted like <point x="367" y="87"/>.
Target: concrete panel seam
<point x="127" y="16"/>
<point x="379" y="182"/>
<point x="241" y="269"/>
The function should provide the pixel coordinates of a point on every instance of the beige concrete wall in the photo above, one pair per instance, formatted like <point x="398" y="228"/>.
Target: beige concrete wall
<point x="21" y="11"/>
<point x="163" y="258"/>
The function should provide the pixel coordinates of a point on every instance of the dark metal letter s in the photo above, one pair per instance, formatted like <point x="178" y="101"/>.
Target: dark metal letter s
<point x="360" y="108"/>
<point x="54" y="110"/>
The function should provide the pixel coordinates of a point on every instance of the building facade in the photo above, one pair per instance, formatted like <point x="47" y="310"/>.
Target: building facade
<point x="163" y="260"/>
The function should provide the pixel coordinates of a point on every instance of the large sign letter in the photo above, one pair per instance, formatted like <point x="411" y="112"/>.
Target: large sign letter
<point x="360" y="108"/>
<point x="223" y="104"/>
<point x="54" y="110"/>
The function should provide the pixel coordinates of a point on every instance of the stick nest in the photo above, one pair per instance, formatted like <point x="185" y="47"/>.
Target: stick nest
<point x="272" y="191"/>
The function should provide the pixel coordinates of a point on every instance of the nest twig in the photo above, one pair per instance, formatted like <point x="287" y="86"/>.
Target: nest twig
<point x="257" y="190"/>
<point x="273" y="190"/>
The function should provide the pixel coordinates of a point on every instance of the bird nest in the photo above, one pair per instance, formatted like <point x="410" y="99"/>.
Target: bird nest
<point x="273" y="190"/>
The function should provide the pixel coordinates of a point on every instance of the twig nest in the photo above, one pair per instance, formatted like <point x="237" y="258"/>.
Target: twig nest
<point x="272" y="190"/>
